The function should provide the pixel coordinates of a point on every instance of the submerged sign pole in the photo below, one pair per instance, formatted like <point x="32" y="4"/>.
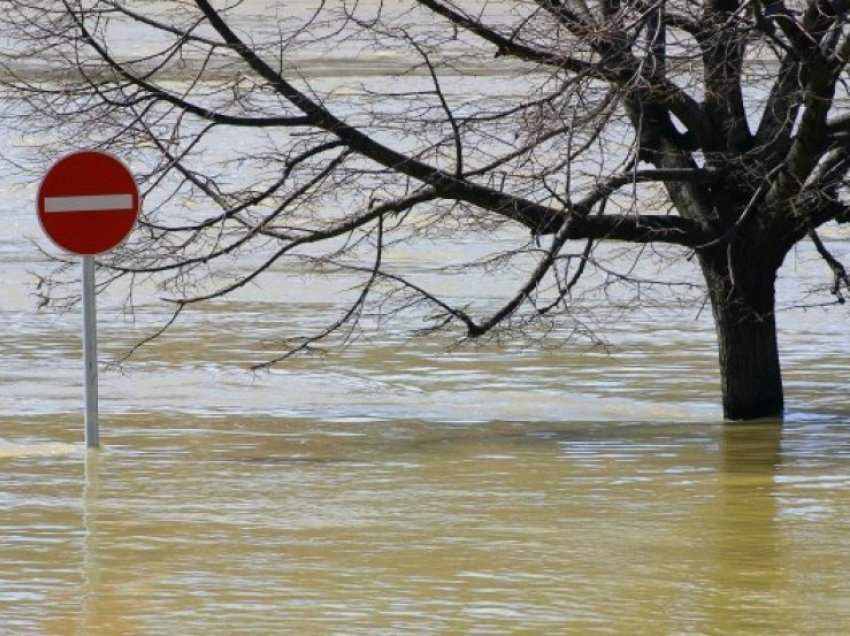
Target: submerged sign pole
<point x="87" y="204"/>
<point x="90" y="355"/>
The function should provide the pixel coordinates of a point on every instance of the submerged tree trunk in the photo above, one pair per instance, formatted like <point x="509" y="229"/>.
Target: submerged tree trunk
<point x="743" y="306"/>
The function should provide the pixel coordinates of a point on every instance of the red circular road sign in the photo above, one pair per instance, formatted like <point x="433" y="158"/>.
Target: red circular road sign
<point x="88" y="202"/>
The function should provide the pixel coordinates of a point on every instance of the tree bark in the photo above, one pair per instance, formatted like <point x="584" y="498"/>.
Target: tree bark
<point x="742" y="301"/>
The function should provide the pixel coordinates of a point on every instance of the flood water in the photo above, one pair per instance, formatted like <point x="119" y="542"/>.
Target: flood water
<point x="402" y="486"/>
<point x="406" y="485"/>
<point x="285" y="525"/>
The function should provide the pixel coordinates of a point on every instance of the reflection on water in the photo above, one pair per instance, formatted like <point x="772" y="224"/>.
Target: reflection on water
<point x="750" y="566"/>
<point x="293" y="526"/>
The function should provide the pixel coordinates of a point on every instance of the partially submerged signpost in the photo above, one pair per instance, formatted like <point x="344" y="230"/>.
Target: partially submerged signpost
<point x="87" y="204"/>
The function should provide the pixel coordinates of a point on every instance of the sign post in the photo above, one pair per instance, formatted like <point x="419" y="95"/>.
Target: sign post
<point x="90" y="355"/>
<point x="87" y="204"/>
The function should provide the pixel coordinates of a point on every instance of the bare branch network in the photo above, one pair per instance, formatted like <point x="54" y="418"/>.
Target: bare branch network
<point x="719" y="127"/>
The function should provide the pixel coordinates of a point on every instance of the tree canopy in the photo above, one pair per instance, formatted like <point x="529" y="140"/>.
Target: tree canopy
<point x="719" y="127"/>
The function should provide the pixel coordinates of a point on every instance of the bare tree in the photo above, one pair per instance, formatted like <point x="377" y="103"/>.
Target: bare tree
<point x="712" y="127"/>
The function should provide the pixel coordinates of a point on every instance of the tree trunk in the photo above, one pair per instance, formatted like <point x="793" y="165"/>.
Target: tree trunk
<point x="743" y="308"/>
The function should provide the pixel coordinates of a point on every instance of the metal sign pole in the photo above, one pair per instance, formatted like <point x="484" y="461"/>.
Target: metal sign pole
<point x="90" y="353"/>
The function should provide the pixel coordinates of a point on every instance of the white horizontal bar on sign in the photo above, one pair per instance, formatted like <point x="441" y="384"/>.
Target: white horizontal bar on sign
<point x="93" y="203"/>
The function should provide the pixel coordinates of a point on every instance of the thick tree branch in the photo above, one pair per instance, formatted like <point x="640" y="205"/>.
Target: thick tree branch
<point x="723" y="47"/>
<point x="839" y="273"/>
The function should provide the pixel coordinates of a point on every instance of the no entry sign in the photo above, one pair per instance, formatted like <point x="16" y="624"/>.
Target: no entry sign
<point x="88" y="202"/>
